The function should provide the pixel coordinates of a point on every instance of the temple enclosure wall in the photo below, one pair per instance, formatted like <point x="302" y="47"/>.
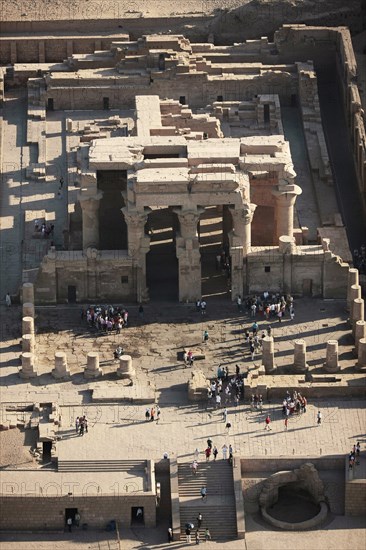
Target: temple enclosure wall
<point x="48" y="513"/>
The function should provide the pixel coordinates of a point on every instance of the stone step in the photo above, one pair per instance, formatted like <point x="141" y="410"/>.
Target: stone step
<point x="220" y="520"/>
<point x="100" y="465"/>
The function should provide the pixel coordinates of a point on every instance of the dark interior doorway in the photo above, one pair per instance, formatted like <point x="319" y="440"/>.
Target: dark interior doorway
<point x="71" y="294"/>
<point x="106" y="103"/>
<point x="266" y="114"/>
<point x="182" y="99"/>
<point x="161" y="260"/>
<point x="112" y="225"/>
<point x="215" y="281"/>
<point x="137" y="515"/>
<point x="46" y="451"/>
<point x="50" y="104"/>
<point x="70" y="513"/>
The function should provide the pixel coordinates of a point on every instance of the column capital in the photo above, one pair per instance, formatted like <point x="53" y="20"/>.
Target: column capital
<point x="188" y="220"/>
<point x="243" y="213"/>
<point x="89" y="202"/>
<point x="134" y="218"/>
<point x="286" y="192"/>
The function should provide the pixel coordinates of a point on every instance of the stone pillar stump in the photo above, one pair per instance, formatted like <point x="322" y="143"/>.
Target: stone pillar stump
<point x="300" y="364"/>
<point x="28" y="365"/>
<point x="125" y="369"/>
<point x="353" y="279"/>
<point x="92" y="365"/>
<point x="360" y="332"/>
<point x="28" y="343"/>
<point x="354" y="293"/>
<point x="361" y="362"/>
<point x="28" y="293"/>
<point x="60" y="370"/>
<point x="331" y="361"/>
<point x="27" y="325"/>
<point x="358" y="312"/>
<point x="268" y="354"/>
<point x="28" y="309"/>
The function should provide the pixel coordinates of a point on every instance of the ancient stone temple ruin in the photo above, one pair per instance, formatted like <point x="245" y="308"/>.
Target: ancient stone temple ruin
<point x="191" y="163"/>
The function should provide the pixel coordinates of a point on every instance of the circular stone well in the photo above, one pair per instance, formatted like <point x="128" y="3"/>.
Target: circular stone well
<point x="294" y="500"/>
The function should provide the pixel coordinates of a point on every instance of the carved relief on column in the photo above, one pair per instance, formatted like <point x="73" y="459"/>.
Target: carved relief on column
<point x="285" y="195"/>
<point x="242" y="224"/>
<point x="135" y="221"/>
<point x="188" y="220"/>
<point x="188" y="254"/>
<point x="90" y="206"/>
<point x="138" y="247"/>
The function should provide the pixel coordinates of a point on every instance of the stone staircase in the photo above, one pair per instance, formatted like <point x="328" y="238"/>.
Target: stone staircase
<point x="218" y="509"/>
<point x="101" y="465"/>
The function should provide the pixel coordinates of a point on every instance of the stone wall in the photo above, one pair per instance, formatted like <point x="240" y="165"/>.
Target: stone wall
<point x="52" y="49"/>
<point x="355" y="499"/>
<point x="48" y="513"/>
<point x="320" y="44"/>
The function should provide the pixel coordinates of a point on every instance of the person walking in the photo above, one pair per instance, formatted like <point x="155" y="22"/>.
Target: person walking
<point x="197" y="537"/>
<point x="196" y="454"/>
<point x="224" y="451"/>
<point x="69" y="524"/>
<point x="209" y="443"/>
<point x="188" y="535"/>
<point x="158" y="412"/>
<point x="319" y="418"/>
<point x="194" y="467"/>
<point x="147" y="414"/>
<point x="224" y="415"/>
<point x="77" y="424"/>
<point x="267" y="427"/>
<point x="231" y="452"/>
<point x="199" y="520"/>
<point x="208" y="453"/>
<point x="170" y="535"/>
<point x="152" y="414"/>
<point x="218" y="401"/>
<point x="8" y="299"/>
<point x="207" y="534"/>
<point x="205" y="336"/>
<point x="203" y="492"/>
<point x="215" y="452"/>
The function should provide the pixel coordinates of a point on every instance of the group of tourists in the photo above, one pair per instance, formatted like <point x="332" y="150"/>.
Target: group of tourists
<point x="106" y="318"/>
<point x="212" y="450"/>
<point x="152" y="414"/>
<point x="354" y="456"/>
<point x="226" y="387"/>
<point x="189" y="527"/>
<point x="294" y="404"/>
<point x="81" y="425"/>
<point x="268" y="306"/>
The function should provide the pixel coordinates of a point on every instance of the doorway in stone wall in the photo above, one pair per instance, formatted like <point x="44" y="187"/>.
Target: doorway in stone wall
<point x="70" y="513"/>
<point x="112" y="225"/>
<point x="137" y="516"/>
<point x="215" y="281"/>
<point x="161" y="260"/>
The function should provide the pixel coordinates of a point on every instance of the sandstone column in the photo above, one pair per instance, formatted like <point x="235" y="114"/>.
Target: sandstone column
<point x="28" y="343"/>
<point x="125" y="369"/>
<point x="354" y="294"/>
<point x="60" y="370"/>
<point x="90" y="206"/>
<point x="361" y="362"/>
<point x="28" y="365"/>
<point x="360" y="332"/>
<point x="92" y="365"/>
<point x="242" y="225"/>
<point x="268" y="354"/>
<point x="28" y="293"/>
<point x="188" y="254"/>
<point x="331" y="361"/>
<point x="285" y="196"/>
<point x="353" y="279"/>
<point x="300" y="364"/>
<point x="28" y="309"/>
<point x="358" y="312"/>
<point x="138" y="247"/>
<point x="27" y="325"/>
